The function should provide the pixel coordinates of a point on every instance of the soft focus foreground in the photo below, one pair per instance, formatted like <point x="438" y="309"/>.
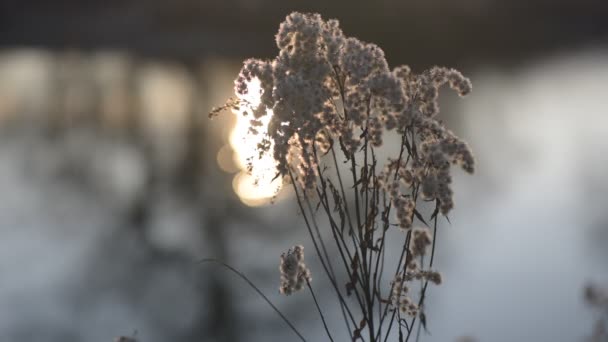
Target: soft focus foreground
<point x="100" y="218"/>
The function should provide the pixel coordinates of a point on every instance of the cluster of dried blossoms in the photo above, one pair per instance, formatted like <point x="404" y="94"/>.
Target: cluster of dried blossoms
<point x="294" y="273"/>
<point x="333" y="97"/>
<point x="420" y="240"/>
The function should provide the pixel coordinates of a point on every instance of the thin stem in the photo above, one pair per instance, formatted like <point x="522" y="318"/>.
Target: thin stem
<point x="344" y="200"/>
<point x="339" y="239"/>
<point x="337" y="234"/>
<point x="405" y="246"/>
<point x="434" y="238"/>
<point x="419" y="330"/>
<point x="407" y="256"/>
<point x="338" y="173"/>
<point x="319" y="309"/>
<point x="221" y="263"/>
<point x="426" y="283"/>
<point x="316" y="226"/>
<point x="333" y="282"/>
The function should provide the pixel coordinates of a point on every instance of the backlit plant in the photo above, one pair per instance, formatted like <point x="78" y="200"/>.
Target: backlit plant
<point x="328" y="101"/>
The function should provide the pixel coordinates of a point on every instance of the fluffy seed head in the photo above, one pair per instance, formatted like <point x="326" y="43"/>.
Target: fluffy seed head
<point x="294" y="272"/>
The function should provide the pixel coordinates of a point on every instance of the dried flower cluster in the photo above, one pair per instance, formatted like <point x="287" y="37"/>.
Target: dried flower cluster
<point x="294" y="273"/>
<point x="324" y="86"/>
<point x="327" y="93"/>
<point x="420" y="241"/>
<point x="400" y="296"/>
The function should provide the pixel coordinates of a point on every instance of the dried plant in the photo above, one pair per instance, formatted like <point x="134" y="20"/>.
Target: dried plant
<point x="332" y="100"/>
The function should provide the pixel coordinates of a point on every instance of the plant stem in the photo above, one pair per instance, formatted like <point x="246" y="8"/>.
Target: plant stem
<point x="221" y="263"/>
<point x="320" y="312"/>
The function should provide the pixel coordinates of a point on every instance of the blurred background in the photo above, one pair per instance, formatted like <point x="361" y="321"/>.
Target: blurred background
<point x="114" y="181"/>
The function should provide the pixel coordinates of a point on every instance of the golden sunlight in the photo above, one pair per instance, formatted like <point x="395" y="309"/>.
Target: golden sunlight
<point x="257" y="187"/>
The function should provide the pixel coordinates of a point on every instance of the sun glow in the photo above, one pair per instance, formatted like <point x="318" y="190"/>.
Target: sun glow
<point x="255" y="187"/>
